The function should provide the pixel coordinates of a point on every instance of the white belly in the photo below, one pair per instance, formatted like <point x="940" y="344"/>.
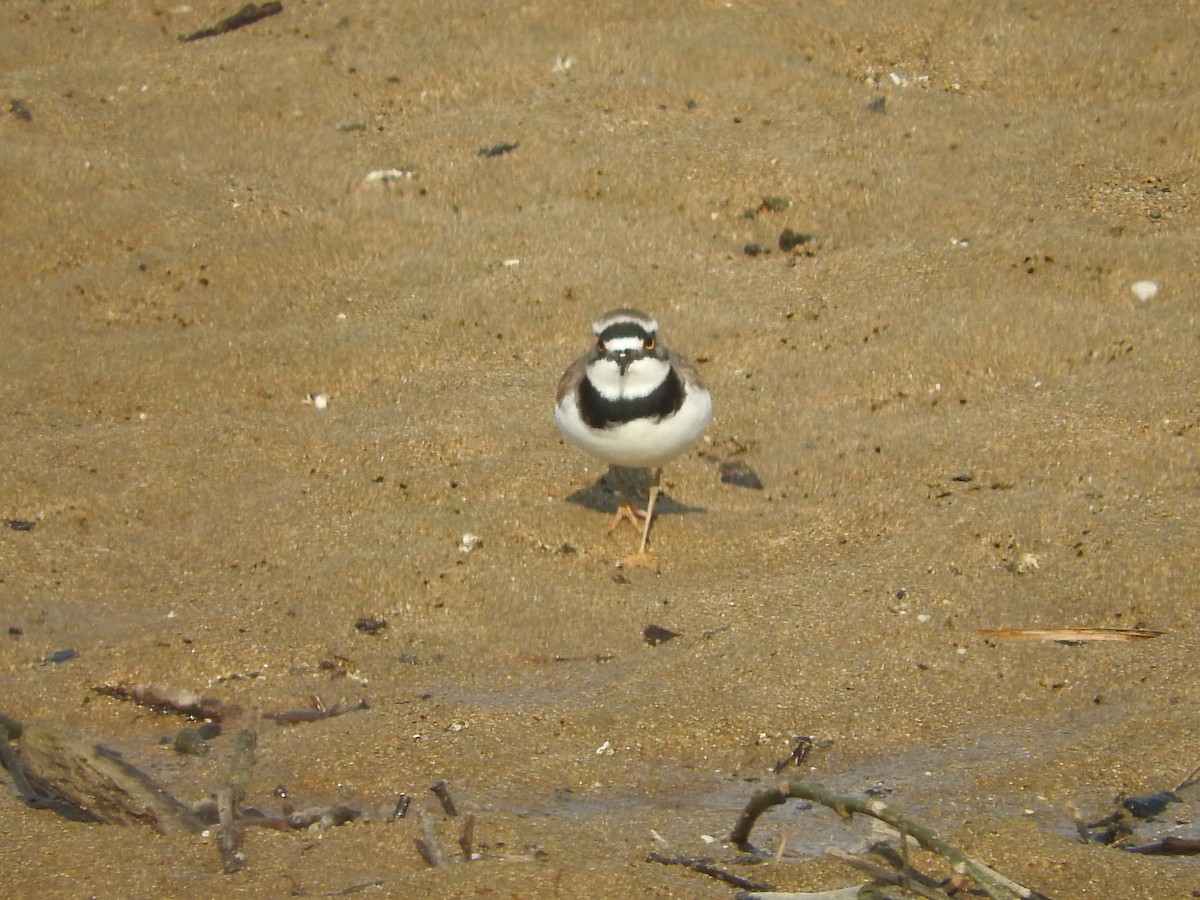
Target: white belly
<point x="642" y="443"/>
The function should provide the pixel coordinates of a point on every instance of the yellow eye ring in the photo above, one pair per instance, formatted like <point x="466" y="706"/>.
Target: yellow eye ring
<point x="649" y="343"/>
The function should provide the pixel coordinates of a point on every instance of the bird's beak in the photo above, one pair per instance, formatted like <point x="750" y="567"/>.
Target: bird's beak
<point x="623" y="359"/>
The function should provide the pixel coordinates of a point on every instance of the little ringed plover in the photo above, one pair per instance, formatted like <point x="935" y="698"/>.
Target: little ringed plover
<point x="632" y="402"/>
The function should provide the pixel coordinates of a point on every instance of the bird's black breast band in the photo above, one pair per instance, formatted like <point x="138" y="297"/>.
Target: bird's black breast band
<point x="600" y="412"/>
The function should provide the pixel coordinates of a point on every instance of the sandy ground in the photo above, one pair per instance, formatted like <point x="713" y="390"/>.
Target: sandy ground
<point x="962" y="417"/>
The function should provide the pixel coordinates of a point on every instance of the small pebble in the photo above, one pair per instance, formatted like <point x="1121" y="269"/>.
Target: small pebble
<point x="1145" y="291"/>
<point x="656" y="634"/>
<point x="371" y="625"/>
<point x="20" y="109"/>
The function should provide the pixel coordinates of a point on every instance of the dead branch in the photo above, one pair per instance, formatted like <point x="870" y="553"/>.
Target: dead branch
<point x="704" y="867"/>
<point x="467" y="840"/>
<point x="162" y="700"/>
<point x="101" y="783"/>
<point x="247" y="15"/>
<point x="995" y="885"/>
<point x="441" y="790"/>
<point x="316" y="713"/>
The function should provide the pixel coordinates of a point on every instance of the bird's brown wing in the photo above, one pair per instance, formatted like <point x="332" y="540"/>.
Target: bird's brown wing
<point x="571" y="378"/>
<point x="688" y="372"/>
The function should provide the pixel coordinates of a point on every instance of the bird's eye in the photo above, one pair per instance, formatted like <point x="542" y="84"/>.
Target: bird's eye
<point x="649" y="343"/>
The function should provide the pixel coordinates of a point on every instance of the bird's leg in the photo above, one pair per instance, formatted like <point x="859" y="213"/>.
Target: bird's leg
<point x="654" y="492"/>
<point x="626" y="511"/>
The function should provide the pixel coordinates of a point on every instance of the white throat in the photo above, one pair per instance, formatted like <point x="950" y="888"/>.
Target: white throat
<point x="641" y="377"/>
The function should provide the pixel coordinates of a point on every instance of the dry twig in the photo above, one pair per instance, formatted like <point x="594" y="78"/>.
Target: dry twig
<point x="704" y="867"/>
<point x="247" y="15"/>
<point x="995" y="885"/>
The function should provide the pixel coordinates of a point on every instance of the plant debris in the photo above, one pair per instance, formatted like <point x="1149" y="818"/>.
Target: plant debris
<point x="315" y="713"/>
<point x="441" y="790"/>
<point x="247" y="15"/>
<point x="798" y="755"/>
<point x="161" y="700"/>
<point x="497" y="150"/>
<point x="707" y="867"/>
<point x="88" y="783"/>
<point x="1072" y="635"/>
<point x="992" y="883"/>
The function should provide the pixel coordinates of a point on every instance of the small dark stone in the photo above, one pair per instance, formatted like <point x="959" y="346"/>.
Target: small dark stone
<point x="775" y="204"/>
<point x="497" y="150"/>
<point x="878" y="105"/>
<point x="789" y="240"/>
<point x="965" y="479"/>
<point x="189" y="742"/>
<point x="656" y="634"/>
<point x="21" y="524"/>
<point x="756" y="250"/>
<point x="20" y="109"/>
<point x="370" y="625"/>
<point x="739" y="474"/>
<point x="60" y="656"/>
<point x="1154" y="805"/>
<point x="15" y="631"/>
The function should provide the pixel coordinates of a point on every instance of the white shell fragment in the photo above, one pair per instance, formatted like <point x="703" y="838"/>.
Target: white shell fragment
<point x="1026" y="563"/>
<point x="385" y="177"/>
<point x="317" y="401"/>
<point x="469" y="542"/>
<point x="1145" y="291"/>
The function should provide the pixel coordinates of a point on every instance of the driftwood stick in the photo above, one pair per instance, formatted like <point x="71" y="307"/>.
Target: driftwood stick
<point x="8" y="759"/>
<point x="441" y="790"/>
<point x="11" y="727"/>
<point x="247" y="15"/>
<point x="1183" y="785"/>
<point x="704" y="867"/>
<point x="857" y="892"/>
<point x="98" y="781"/>
<point x="995" y="885"/>
<point x="886" y="875"/>
<point x="467" y="840"/>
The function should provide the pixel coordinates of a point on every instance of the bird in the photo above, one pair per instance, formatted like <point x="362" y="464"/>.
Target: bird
<point x="632" y="403"/>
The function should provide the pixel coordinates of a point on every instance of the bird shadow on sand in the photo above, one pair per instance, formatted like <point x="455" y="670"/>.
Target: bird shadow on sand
<point x="604" y="494"/>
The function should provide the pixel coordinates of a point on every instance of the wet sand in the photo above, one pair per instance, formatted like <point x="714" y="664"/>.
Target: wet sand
<point x="962" y="416"/>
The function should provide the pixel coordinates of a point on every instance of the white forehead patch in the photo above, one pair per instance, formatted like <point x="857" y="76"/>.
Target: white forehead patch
<point x="619" y="344"/>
